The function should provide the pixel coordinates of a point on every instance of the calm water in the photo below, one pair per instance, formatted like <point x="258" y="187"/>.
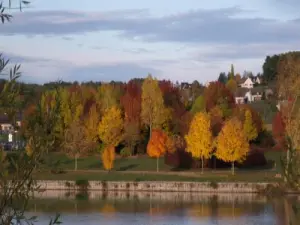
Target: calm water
<point x="160" y="209"/>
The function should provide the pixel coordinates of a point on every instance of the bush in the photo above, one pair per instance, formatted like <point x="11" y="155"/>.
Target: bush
<point x="265" y="139"/>
<point x="255" y="158"/>
<point x="125" y="152"/>
<point x="82" y="184"/>
<point x="179" y="159"/>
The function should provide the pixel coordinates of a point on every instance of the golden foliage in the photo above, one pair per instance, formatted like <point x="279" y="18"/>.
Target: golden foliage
<point x="232" y="144"/>
<point x="91" y="123"/>
<point x="199" y="139"/>
<point x="249" y="127"/>
<point x="153" y="110"/>
<point x="111" y="127"/>
<point x="288" y="89"/>
<point x="108" y="157"/>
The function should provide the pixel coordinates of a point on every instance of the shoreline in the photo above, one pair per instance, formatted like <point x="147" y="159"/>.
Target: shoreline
<point x="162" y="186"/>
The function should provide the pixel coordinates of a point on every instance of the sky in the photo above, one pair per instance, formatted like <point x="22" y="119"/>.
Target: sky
<point x="171" y="39"/>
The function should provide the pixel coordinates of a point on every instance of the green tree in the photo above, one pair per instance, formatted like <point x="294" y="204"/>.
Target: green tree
<point x="222" y="78"/>
<point x="16" y="182"/>
<point x="231" y="74"/>
<point x="199" y="105"/>
<point x="153" y="112"/>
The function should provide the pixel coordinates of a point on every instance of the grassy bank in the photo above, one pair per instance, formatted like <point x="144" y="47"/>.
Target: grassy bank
<point x="208" y="176"/>
<point x="60" y="167"/>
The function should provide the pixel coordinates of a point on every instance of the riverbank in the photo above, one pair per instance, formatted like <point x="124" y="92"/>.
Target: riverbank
<point x="150" y="186"/>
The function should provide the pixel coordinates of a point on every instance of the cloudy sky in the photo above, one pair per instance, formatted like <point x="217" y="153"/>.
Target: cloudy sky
<point x="182" y="40"/>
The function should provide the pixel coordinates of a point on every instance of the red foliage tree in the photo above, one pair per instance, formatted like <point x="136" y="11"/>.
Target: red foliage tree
<point x="172" y="99"/>
<point x="131" y="102"/>
<point x="217" y="94"/>
<point x="278" y="130"/>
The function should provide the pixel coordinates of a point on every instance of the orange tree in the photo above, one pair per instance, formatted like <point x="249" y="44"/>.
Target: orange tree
<point x="158" y="145"/>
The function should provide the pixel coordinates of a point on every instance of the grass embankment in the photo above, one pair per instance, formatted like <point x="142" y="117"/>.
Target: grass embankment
<point x="144" y="169"/>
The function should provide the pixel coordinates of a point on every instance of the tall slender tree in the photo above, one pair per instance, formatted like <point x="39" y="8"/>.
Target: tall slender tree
<point x="199" y="139"/>
<point x="153" y="109"/>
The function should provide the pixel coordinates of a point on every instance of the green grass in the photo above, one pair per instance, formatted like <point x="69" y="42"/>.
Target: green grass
<point x="143" y="163"/>
<point x="208" y="176"/>
<point x="143" y="168"/>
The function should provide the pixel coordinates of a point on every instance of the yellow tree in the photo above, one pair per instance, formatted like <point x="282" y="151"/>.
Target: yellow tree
<point x="249" y="127"/>
<point x="158" y="145"/>
<point x="108" y="157"/>
<point x="111" y="130"/>
<point x="199" y="138"/>
<point x="153" y="109"/>
<point x="91" y="123"/>
<point x="232" y="144"/>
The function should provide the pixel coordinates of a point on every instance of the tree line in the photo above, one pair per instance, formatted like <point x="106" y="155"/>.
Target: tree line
<point x="145" y="117"/>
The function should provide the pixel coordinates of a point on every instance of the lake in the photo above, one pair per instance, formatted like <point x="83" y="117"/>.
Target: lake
<point x="172" y="208"/>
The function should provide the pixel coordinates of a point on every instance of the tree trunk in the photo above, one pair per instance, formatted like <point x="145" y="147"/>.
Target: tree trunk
<point x="157" y="164"/>
<point x="75" y="163"/>
<point x="202" y="164"/>
<point x="287" y="164"/>
<point x="232" y="168"/>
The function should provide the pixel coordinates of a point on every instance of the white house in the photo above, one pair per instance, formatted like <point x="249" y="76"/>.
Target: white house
<point x="244" y="95"/>
<point x="257" y="80"/>
<point x="248" y="83"/>
<point x="6" y="125"/>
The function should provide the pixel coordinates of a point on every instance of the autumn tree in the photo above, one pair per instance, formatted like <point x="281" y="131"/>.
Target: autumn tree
<point x="153" y="109"/>
<point x="110" y="133"/>
<point x="240" y="112"/>
<point x="199" y="139"/>
<point x="111" y="127"/>
<point x="232" y="144"/>
<point x="109" y="95"/>
<point x="131" y="103"/>
<point x="232" y="85"/>
<point x="91" y="123"/>
<point x="249" y="127"/>
<point x="108" y="157"/>
<point x="76" y="144"/>
<point x="288" y="82"/>
<point x="216" y="94"/>
<point x="176" y="108"/>
<point x="216" y="116"/>
<point x="278" y="130"/>
<point x="158" y="145"/>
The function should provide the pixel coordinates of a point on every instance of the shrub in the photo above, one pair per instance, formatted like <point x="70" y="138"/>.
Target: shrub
<point x="82" y="184"/>
<point x="179" y="159"/>
<point x="254" y="158"/>
<point x="125" y="152"/>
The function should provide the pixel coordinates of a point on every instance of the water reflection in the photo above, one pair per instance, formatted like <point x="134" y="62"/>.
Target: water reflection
<point x="162" y="208"/>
